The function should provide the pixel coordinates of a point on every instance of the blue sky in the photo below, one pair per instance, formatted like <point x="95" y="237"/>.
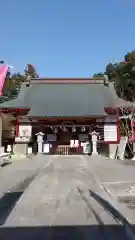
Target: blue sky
<point x="66" y="38"/>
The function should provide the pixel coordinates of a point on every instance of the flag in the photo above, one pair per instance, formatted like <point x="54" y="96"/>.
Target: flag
<point x="3" y="73"/>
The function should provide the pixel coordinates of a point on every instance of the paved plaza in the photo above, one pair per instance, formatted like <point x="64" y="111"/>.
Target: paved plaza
<point x="55" y="191"/>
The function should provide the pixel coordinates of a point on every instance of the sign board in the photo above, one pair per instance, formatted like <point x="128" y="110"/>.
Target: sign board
<point x="83" y="137"/>
<point x="51" y="137"/>
<point x="86" y="147"/>
<point x="25" y="130"/>
<point x="110" y="133"/>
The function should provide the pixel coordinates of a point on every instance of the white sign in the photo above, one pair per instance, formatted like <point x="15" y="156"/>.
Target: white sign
<point x="25" y="130"/>
<point x="110" y="133"/>
<point x="29" y="150"/>
<point x="72" y="143"/>
<point x="76" y="143"/>
<point x="46" y="148"/>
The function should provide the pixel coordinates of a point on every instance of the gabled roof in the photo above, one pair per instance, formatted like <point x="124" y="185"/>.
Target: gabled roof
<point x="63" y="97"/>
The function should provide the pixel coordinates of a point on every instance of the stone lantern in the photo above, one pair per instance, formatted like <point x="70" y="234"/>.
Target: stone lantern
<point x="40" y="141"/>
<point x="94" y="137"/>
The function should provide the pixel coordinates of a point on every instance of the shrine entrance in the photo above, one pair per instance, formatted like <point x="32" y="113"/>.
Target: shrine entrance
<point x="65" y="138"/>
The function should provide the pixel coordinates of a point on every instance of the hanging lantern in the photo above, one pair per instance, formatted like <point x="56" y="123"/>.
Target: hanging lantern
<point x="61" y="127"/>
<point x="73" y="129"/>
<point x="64" y="129"/>
<point x="83" y="129"/>
<point x="55" y="130"/>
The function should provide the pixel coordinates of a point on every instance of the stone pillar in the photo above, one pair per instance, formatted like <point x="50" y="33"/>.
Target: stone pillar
<point x="94" y="143"/>
<point x="122" y="147"/>
<point x="113" y="150"/>
<point x="40" y="141"/>
<point x="133" y="151"/>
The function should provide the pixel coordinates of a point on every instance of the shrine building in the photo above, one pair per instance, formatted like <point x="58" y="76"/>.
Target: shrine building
<point x="64" y="116"/>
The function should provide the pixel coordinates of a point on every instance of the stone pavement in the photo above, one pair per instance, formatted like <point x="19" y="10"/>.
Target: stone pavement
<point x="56" y="196"/>
<point x="15" y="173"/>
<point x="117" y="178"/>
<point x="109" y="170"/>
<point x="62" y="194"/>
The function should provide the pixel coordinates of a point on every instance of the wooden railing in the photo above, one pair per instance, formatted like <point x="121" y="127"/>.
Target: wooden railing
<point x="67" y="150"/>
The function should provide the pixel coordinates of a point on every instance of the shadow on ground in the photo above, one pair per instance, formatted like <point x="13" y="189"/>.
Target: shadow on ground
<point x="7" y="203"/>
<point x="63" y="232"/>
<point x="9" y="199"/>
<point x="99" y="231"/>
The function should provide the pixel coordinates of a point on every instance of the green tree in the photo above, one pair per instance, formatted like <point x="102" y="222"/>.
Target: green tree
<point x="30" y="71"/>
<point x="123" y="74"/>
<point x="12" y="84"/>
<point x="98" y="75"/>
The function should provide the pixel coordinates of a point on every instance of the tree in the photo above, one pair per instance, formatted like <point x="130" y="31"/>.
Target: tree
<point x="123" y="74"/>
<point x="12" y="84"/>
<point x="98" y="75"/>
<point x="30" y="71"/>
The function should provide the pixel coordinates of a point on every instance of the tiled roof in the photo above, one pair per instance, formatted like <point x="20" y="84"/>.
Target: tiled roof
<point x="68" y="97"/>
